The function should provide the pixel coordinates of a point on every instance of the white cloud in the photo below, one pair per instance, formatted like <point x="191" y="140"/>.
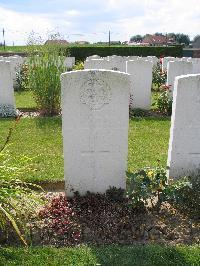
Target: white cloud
<point x="18" y="25"/>
<point x="91" y="20"/>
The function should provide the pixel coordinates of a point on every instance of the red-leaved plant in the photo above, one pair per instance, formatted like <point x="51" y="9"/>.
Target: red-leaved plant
<point x="59" y="223"/>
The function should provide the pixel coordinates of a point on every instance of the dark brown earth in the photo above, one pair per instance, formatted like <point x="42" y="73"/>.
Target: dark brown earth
<point x="101" y="220"/>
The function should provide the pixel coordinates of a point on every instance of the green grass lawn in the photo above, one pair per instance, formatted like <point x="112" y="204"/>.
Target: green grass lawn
<point x="41" y="139"/>
<point x="138" y="255"/>
<point x="12" y="49"/>
<point x="24" y="99"/>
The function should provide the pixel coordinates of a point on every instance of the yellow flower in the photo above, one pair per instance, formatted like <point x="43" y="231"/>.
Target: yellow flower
<point x="150" y="173"/>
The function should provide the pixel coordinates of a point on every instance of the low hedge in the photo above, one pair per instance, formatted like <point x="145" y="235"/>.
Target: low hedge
<point x="81" y="52"/>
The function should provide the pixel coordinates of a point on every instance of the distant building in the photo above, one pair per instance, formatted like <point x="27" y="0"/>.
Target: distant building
<point x="157" y="40"/>
<point x="107" y="43"/>
<point x="196" y="43"/>
<point x="81" y="42"/>
<point x="57" y="42"/>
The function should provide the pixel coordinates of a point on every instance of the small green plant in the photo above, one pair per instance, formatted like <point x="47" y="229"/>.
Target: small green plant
<point x="79" y="66"/>
<point x="159" y="77"/>
<point x="164" y="101"/>
<point x="146" y="184"/>
<point x="184" y="194"/>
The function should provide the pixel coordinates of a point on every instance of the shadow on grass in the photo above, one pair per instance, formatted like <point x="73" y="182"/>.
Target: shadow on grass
<point x="48" y="122"/>
<point x="139" y="255"/>
<point x="145" y="255"/>
<point x="151" y="118"/>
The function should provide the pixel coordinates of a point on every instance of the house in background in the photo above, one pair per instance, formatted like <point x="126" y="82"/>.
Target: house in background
<point x="196" y="43"/>
<point x="82" y="42"/>
<point x="57" y="42"/>
<point x="157" y="40"/>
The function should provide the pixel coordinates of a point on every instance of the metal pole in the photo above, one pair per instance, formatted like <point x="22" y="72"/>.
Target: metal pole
<point x="4" y="43"/>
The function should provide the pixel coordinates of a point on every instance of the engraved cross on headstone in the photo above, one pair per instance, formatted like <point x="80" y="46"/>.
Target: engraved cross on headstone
<point x="93" y="152"/>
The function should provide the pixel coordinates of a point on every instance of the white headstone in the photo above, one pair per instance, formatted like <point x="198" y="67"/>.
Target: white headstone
<point x="97" y="64"/>
<point x="165" y="61"/>
<point x="93" y="57"/>
<point x="177" y="68"/>
<point x="184" y="144"/>
<point x="118" y="63"/>
<point x="196" y="65"/>
<point x="153" y="59"/>
<point x="15" y="63"/>
<point x="132" y="57"/>
<point x="69" y="62"/>
<point x="141" y="80"/>
<point x="7" y="103"/>
<point x="95" y="117"/>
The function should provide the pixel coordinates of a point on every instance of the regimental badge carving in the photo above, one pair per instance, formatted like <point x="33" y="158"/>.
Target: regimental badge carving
<point x="95" y="92"/>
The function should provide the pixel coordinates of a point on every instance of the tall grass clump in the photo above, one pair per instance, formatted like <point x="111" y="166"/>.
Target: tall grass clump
<point x="46" y="64"/>
<point x="18" y="199"/>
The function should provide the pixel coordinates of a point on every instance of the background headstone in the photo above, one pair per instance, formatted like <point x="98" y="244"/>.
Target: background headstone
<point x="165" y="61"/>
<point x="141" y="80"/>
<point x="97" y="64"/>
<point x="177" y="68"/>
<point x="69" y="62"/>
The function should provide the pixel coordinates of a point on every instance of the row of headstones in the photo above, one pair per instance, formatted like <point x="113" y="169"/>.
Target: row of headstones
<point x="95" y="127"/>
<point x="95" y="119"/>
<point x="9" y="67"/>
<point x="140" y="69"/>
<point x="179" y="66"/>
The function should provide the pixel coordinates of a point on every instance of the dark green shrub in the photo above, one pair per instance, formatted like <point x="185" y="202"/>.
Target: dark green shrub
<point x="81" y="52"/>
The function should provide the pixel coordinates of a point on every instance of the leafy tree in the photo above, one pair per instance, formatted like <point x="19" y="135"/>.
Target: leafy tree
<point x="171" y="35"/>
<point x="159" y="34"/>
<point x="136" y="38"/>
<point x="196" y="37"/>
<point x="182" y="38"/>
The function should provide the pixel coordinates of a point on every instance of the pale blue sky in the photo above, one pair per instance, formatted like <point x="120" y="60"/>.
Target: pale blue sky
<point x="91" y="20"/>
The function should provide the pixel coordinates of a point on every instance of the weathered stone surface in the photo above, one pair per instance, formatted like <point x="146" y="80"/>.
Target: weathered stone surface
<point x="69" y="62"/>
<point x="97" y="64"/>
<point x="177" y="68"/>
<point x="95" y="111"/>
<point x="165" y="61"/>
<point x="196" y="65"/>
<point x="184" y="144"/>
<point x="118" y="63"/>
